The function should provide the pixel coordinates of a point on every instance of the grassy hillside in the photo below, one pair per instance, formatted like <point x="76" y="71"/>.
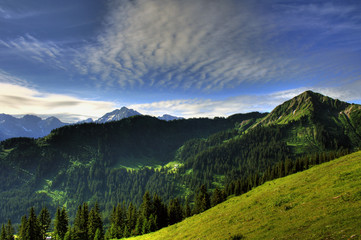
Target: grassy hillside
<point x="323" y="202"/>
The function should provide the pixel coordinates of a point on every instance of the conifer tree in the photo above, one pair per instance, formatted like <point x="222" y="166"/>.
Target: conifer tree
<point x="126" y="232"/>
<point x="3" y="232"/>
<point x="202" y="201"/>
<point x="175" y="211"/>
<point x="152" y="223"/>
<point x="98" y="235"/>
<point x="139" y="225"/>
<point x="117" y="222"/>
<point x="187" y="209"/>
<point x="217" y="197"/>
<point x="145" y="226"/>
<point x="22" y="227"/>
<point x="147" y="205"/>
<point x="160" y="212"/>
<point x="95" y="223"/>
<point x="44" y="220"/>
<point x="32" y="230"/>
<point x="131" y="217"/>
<point x="9" y="229"/>
<point x="68" y="234"/>
<point x="61" y="223"/>
<point x="81" y="222"/>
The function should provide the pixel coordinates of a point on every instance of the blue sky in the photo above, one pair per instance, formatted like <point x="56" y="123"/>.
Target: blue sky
<point x="190" y="58"/>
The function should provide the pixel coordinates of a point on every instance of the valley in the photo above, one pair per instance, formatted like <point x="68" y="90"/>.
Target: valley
<point x="118" y="162"/>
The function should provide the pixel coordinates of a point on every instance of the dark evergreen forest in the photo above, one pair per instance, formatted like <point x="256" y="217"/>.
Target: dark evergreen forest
<point x="141" y="174"/>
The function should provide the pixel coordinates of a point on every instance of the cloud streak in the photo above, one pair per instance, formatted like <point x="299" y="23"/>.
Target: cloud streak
<point x="19" y="100"/>
<point x="29" y="47"/>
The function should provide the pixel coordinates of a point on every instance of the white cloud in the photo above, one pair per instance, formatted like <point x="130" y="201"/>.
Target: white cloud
<point x="19" y="100"/>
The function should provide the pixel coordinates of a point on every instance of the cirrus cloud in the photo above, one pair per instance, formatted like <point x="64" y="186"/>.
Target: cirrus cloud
<point x="208" y="45"/>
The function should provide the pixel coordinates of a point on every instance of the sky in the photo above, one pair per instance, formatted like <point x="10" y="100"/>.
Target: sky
<point x="189" y="58"/>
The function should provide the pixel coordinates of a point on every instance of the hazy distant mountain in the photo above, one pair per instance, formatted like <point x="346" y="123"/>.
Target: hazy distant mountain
<point x="89" y="120"/>
<point x="27" y="126"/>
<point x="124" y="112"/>
<point x="168" y="117"/>
<point x="118" y="114"/>
<point x="35" y="127"/>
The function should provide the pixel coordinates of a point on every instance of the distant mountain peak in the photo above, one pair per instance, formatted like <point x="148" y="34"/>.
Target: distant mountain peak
<point x="117" y="115"/>
<point x="27" y="126"/>
<point x="29" y="117"/>
<point x="167" y="117"/>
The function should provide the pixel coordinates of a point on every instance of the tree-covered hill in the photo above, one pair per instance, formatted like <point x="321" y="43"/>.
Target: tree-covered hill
<point x="119" y="161"/>
<point x="77" y="163"/>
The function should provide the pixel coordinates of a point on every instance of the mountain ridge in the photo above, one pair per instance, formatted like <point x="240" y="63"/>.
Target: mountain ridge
<point x="35" y="127"/>
<point x="119" y="160"/>
<point x="27" y="126"/>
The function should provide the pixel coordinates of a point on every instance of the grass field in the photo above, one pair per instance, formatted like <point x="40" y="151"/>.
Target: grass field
<point x="323" y="202"/>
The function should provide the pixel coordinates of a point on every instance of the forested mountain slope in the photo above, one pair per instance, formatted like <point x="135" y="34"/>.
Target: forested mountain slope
<point x="105" y="162"/>
<point x="119" y="161"/>
<point x="320" y="203"/>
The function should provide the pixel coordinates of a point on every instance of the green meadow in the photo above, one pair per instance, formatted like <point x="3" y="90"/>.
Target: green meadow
<point x="323" y="202"/>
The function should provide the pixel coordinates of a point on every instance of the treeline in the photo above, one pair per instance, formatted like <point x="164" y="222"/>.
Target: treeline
<point x="153" y="214"/>
<point x="281" y="169"/>
<point x="221" y="158"/>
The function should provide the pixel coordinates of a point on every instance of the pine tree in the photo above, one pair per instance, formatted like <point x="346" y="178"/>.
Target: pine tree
<point x="61" y="223"/>
<point x="81" y="222"/>
<point x="139" y="225"/>
<point x="44" y="220"/>
<point x="98" y="235"/>
<point x="68" y="235"/>
<point x="131" y="217"/>
<point x="187" y="209"/>
<point x="9" y="231"/>
<point x="147" y="205"/>
<point x="152" y="223"/>
<point x="160" y="212"/>
<point x="117" y="222"/>
<point x="3" y="232"/>
<point x="32" y="230"/>
<point x="95" y="222"/>
<point x="175" y="211"/>
<point x="22" y="227"/>
<point x="145" y="226"/>
<point x="202" y="202"/>
<point x="217" y="197"/>
<point x="126" y="232"/>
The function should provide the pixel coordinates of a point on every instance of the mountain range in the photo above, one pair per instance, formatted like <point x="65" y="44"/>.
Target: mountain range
<point x="119" y="161"/>
<point x="27" y="126"/>
<point x="35" y="127"/>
